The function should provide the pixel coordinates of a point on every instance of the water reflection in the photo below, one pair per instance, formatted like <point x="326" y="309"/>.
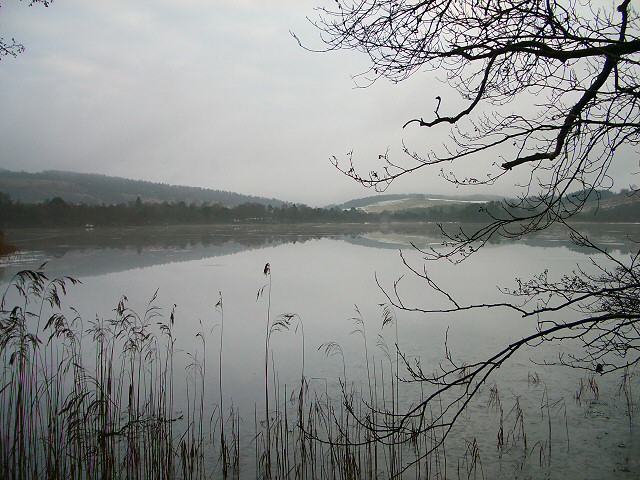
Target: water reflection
<point x="101" y="251"/>
<point x="319" y="273"/>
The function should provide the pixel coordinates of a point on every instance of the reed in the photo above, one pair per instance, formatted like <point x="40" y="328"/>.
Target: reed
<point x="95" y="402"/>
<point x="104" y="399"/>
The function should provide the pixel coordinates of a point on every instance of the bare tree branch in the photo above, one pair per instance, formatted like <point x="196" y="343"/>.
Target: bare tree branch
<point x="577" y="61"/>
<point x="550" y="85"/>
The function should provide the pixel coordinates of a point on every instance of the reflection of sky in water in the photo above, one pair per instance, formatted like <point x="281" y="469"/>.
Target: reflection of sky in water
<point x="322" y="280"/>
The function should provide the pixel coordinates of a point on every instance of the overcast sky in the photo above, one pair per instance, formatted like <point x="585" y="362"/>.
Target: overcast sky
<point x="209" y="93"/>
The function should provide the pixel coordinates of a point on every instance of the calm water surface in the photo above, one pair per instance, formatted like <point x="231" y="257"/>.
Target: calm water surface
<point x="322" y="274"/>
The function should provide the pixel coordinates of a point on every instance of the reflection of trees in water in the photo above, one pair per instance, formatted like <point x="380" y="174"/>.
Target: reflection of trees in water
<point x="113" y="250"/>
<point x="83" y="252"/>
<point x="57" y="242"/>
<point x="145" y="238"/>
<point x="619" y="237"/>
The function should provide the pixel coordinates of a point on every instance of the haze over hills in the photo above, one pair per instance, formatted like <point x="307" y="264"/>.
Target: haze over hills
<point x="604" y="201"/>
<point x="401" y="202"/>
<point x="95" y="189"/>
<point x="92" y="189"/>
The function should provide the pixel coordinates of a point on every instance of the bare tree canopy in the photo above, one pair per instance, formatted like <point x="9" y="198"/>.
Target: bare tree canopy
<point x="12" y="47"/>
<point x="573" y="65"/>
<point x="551" y="86"/>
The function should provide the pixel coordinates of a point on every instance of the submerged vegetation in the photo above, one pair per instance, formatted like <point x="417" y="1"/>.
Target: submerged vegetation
<point x="118" y="398"/>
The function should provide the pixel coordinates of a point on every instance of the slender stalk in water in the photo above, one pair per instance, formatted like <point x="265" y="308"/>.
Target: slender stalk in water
<point x="267" y="453"/>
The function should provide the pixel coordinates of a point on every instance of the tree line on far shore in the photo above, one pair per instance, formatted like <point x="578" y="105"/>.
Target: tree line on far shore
<point x="58" y="213"/>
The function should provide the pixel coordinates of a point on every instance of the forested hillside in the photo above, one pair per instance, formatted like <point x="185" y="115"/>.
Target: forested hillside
<point x="603" y="207"/>
<point x="93" y="189"/>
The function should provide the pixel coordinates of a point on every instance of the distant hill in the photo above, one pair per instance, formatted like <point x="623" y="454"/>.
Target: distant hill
<point x="94" y="189"/>
<point x="613" y="207"/>
<point x="400" y="202"/>
<point x="601" y="206"/>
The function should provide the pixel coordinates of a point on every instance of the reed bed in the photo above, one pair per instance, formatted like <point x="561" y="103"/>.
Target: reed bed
<point x="107" y="399"/>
